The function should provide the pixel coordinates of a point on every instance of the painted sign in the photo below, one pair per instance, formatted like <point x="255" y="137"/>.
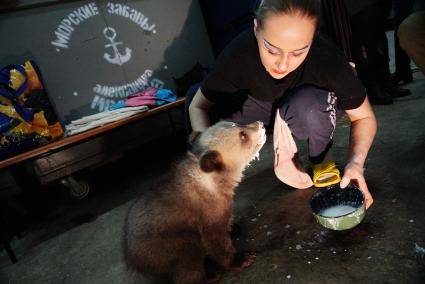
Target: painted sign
<point x="107" y="95"/>
<point x="93" y="54"/>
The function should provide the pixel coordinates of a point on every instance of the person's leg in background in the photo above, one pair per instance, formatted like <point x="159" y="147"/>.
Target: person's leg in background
<point x="381" y="56"/>
<point x="364" y="27"/>
<point x="412" y="38"/>
<point x="311" y="115"/>
<point x="403" y="73"/>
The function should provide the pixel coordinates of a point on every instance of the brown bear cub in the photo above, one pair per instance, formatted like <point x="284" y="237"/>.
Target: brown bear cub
<point x="187" y="218"/>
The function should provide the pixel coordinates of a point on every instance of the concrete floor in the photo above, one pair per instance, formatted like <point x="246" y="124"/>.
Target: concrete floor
<point x="78" y="241"/>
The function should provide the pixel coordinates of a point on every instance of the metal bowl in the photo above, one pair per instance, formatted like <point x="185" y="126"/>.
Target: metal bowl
<point x="350" y="198"/>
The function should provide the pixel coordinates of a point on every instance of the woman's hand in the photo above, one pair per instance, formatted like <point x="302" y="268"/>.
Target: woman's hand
<point x="363" y="130"/>
<point x="198" y="112"/>
<point x="354" y="172"/>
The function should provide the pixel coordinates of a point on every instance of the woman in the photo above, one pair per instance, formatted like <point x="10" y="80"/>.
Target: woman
<point x="283" y="64"/>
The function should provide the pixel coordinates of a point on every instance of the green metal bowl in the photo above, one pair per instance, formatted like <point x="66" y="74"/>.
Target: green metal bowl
<point x="334" y="198"/>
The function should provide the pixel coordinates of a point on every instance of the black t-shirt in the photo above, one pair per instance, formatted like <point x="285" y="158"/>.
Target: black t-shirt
<point x="238" y="72"/>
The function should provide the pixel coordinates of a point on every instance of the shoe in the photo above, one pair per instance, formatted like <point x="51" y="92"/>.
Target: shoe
<point x="325" y="174"/>
<point x="402" y="77"/>
<point x="378" y="97"/>
<point x="395" y="91"/>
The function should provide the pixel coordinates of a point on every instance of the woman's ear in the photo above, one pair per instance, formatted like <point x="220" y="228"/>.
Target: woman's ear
<point x="255" y="26"/>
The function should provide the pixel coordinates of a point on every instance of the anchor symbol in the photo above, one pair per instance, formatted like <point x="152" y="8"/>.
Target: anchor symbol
<point x="117" y="58"/>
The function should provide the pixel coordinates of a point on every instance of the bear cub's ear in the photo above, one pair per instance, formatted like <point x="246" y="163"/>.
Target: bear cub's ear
<point x="211" y="161"/>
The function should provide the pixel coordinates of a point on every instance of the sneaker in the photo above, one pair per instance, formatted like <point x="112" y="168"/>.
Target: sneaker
<point x="395" y="91"/>
<point x="401" y="78"/>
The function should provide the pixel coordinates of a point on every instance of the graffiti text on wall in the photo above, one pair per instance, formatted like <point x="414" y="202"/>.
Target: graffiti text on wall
<point x="67" y="26"/>
<point x="115" y="52"/>
<point x="108" y="95"/>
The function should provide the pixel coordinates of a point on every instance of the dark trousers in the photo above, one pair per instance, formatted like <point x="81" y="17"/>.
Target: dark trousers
<point x="370" y="45"/>
<point x="403" y="8"/>
<point x="310" y="113"/>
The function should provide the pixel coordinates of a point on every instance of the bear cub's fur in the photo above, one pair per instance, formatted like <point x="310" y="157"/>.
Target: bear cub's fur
<point x="172" y="229"/>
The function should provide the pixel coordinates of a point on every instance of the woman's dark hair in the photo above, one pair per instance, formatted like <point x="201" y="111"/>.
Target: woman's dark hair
<point x="308" y="8"/>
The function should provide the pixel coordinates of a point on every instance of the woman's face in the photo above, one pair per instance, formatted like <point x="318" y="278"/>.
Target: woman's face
<point x="284" y="41"/>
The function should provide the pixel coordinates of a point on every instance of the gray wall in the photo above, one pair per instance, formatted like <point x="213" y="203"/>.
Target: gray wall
<point x="69" y="42"/>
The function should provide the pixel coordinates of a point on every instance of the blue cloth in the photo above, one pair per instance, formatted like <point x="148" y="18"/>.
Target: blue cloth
<point x="118" y="105"/>
<point x="165" y="96"/>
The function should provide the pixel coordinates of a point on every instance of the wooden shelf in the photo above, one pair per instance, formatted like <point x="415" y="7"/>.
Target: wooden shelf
<point x="67" y="141"/>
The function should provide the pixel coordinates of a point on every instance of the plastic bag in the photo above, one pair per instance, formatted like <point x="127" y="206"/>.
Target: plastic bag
<point x="27" y="119"/>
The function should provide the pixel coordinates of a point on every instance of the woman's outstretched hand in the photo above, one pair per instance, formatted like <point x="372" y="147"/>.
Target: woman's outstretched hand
<point x="354" y="172"/>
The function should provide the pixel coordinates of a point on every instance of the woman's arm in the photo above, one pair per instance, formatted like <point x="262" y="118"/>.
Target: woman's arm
<point x="363" y="130"/>
<point x="198" y="112"/>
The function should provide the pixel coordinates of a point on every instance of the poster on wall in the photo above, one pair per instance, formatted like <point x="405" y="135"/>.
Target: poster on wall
<point x="93" y="54"/>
